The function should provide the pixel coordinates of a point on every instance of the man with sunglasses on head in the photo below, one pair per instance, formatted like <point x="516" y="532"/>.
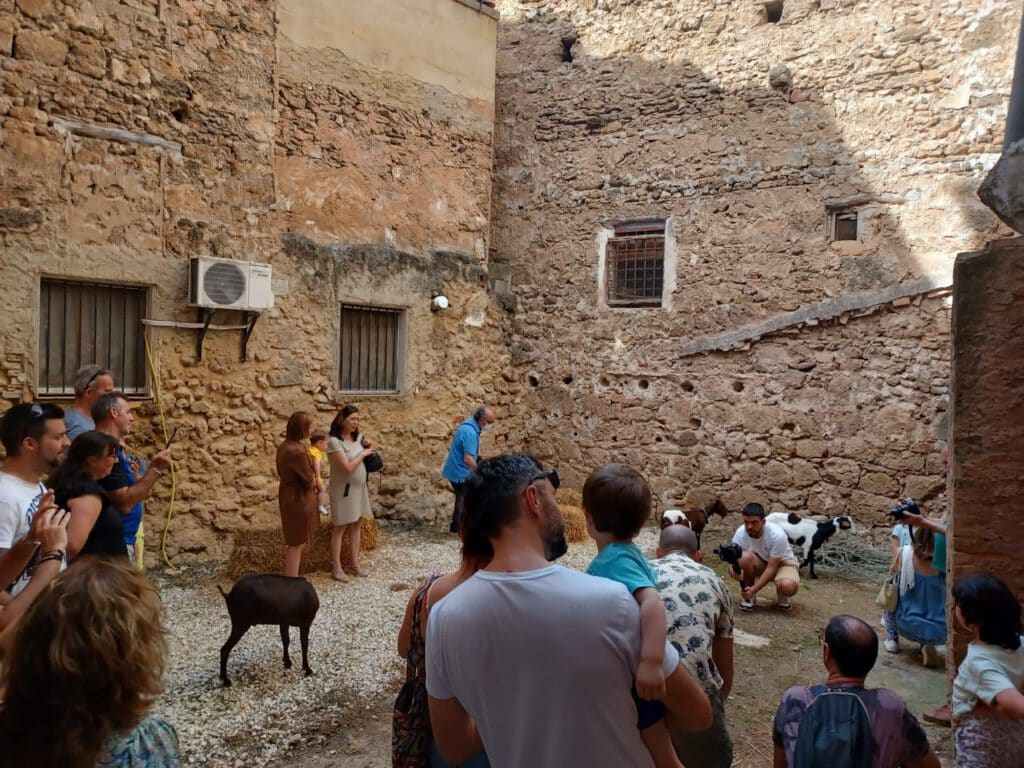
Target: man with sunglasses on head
<point x="113" y="416"/>
<point x="34" y="439"/>
<point x="531" y="660"/>
<point x="91" y="383"/>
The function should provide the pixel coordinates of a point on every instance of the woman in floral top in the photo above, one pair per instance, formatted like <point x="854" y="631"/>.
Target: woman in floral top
<point x="84" y="667"/>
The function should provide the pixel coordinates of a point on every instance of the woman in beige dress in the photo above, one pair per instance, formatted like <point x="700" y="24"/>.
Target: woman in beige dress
<point x="297" y="493"/>
<point x="350" y="499"/>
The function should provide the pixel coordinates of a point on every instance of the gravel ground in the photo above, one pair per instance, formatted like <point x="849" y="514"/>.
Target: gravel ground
<point x="269" y="710"/>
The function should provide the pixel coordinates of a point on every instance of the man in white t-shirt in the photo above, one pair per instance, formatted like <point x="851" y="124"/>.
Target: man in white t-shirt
<point x="530" y="660"/>
<point x="767" y="557"/>
<point x="34" y="439"/>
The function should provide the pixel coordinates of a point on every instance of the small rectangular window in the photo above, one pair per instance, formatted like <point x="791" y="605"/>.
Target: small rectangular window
<point x="635" y="264"/>
<point x="370" y="343"/>
<point x="844" y="225"/>
<point x="82" y="323"/>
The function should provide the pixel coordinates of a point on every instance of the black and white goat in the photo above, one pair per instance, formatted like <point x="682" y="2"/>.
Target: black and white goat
<point x="809" y="534"/>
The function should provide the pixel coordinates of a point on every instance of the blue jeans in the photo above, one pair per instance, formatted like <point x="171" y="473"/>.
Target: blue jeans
<point x="436" y="761"/>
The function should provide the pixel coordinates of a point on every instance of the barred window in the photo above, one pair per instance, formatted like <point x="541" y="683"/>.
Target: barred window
<point x="844" y="225"/>
<point x="635" y="264"/>
<point x="82" y="323"/>
<point x="370" y="349"/>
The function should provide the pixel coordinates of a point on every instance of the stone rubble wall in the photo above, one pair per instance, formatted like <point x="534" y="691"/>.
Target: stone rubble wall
<point x="332" y="178"/>
<point x="741" y="132"/>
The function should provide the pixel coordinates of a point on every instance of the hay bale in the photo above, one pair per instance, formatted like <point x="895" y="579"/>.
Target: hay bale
<point x="261" y="550"/>
<point x="575" y="524"/>
<point x="569" y="496"/>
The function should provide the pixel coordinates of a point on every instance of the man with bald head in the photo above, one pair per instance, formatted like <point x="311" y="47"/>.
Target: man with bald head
<point x="849" y="652"/>
<point x="699" y="616"/>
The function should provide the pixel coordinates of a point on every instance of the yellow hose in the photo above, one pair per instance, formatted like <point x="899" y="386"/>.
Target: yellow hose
<point x="155" y="375"/>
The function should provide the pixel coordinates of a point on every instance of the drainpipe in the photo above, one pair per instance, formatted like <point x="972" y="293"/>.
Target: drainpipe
<point x="1015" y="112"/>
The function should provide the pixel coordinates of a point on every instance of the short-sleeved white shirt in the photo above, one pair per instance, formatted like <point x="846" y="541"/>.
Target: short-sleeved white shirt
<point x="985" y="672"/>
<point x="18" y="503"/>
<point x="773" y="543"/>
<point x="544" y="662"/>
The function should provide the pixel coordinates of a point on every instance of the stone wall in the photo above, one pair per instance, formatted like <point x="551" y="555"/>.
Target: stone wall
<point x="741" y="132"/>
<point x="987" y="418"/>
<point x="136" y="135"/>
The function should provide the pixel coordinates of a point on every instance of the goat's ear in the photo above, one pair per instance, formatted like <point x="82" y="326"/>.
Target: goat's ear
<point x="846" y="523"/>
<point x="665" y="523"/>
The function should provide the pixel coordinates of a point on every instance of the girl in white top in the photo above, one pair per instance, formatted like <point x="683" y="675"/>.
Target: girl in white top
<point x="988" y="705"/>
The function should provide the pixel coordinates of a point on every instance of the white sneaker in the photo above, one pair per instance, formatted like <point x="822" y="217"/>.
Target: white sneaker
<point x="748" y="605"/>
<point x="784" y="603"/>
<point x="892" y="646"/>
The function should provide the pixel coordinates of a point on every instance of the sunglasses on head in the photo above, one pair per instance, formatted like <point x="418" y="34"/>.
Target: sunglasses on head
<point x="36" y="411"/>
<point x="551" y="475"/>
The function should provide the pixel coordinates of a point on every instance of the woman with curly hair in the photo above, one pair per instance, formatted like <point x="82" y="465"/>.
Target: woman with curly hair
<point x="82" y="672"/>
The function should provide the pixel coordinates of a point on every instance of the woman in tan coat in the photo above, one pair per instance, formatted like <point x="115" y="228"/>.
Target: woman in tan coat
<point x="297" y="495"/>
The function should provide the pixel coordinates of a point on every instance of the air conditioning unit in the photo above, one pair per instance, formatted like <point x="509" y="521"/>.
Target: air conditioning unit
<point x="229" y="284"/>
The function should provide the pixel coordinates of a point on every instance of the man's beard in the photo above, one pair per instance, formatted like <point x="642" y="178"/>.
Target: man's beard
<point x="555" y="544"/>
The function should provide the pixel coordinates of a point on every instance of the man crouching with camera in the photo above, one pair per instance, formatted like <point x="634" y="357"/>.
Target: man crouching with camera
<point x="766" y="557"/>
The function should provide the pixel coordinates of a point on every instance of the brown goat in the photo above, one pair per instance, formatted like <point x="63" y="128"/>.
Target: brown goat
<point x="694" y="519"/>
<point x="267" y="598"/>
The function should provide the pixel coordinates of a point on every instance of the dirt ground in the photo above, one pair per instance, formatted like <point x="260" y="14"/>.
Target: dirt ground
<point x="792" y="656"/>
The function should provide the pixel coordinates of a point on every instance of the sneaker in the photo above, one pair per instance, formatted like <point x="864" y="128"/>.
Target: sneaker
<point x="784" y="603"/>
<point x="892" y="646"/>
<point x="929" y="655"/>
<point x="938" y="716"/>
<point x="748" y="605"/>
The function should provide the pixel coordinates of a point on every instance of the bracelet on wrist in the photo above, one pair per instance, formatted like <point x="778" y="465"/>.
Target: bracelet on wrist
<point x="57" y="555"/>
<point x="54" y="551"/>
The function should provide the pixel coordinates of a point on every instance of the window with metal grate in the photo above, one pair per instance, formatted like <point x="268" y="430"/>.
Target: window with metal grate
<point x="844" y="225"/>
<point x="635" y="264"/>
<point x="370" y="355"/>
<point x="82" y="323"/>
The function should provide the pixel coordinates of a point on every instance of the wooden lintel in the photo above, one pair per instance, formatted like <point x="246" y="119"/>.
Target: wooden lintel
<point x="94" y="131"/>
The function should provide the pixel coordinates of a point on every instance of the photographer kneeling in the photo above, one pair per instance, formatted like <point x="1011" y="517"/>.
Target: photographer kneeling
<point x="767" y="557"/>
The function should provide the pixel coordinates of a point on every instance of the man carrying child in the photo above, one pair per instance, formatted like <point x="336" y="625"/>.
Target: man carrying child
<point x="531" y="660"/>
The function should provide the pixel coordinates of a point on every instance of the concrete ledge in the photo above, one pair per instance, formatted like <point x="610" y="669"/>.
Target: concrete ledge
<point x="480" y="7"/>
<point x="814" y="313"/>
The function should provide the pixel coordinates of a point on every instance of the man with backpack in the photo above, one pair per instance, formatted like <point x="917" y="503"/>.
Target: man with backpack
<point x="842" y="724"/>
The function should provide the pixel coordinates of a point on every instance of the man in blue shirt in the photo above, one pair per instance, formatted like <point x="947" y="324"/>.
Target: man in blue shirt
<point x="464" y="454"/>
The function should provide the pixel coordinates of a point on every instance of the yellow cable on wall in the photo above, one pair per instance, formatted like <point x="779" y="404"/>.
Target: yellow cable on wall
<point x="155" y="375"/>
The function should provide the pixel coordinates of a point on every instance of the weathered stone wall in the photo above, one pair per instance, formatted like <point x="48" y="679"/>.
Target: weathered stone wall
<point x="740" y="132"/>
<point x="328" y="167"/>
<point x="987" y="419"/>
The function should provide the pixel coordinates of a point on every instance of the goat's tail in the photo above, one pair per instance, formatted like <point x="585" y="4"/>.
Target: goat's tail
<point x="223" y="593"/>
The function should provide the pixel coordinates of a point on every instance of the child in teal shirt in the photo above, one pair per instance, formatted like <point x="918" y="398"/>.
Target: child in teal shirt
<point x="616" y="504"/>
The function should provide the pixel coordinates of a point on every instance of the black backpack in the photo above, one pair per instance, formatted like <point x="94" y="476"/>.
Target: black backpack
<point x="835" y="731"/>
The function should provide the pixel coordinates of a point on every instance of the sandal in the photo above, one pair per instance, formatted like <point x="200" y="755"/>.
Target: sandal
<point x="339" y="576"/>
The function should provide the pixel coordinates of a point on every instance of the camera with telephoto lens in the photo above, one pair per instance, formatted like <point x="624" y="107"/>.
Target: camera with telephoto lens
<point x="907" y="505"/>
<point x="731" y="554"/>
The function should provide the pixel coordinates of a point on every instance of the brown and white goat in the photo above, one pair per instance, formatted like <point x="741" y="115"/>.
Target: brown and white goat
<point x="694" y="519"/>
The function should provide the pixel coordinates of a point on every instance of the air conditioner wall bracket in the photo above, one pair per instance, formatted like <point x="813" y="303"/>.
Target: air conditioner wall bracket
<point x="205" y="317"/>
<point x="249" y="320"/>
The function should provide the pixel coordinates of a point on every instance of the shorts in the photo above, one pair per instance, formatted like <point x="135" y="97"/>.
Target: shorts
<point x="788" y="569"/>
<point x="706" y="749"/>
